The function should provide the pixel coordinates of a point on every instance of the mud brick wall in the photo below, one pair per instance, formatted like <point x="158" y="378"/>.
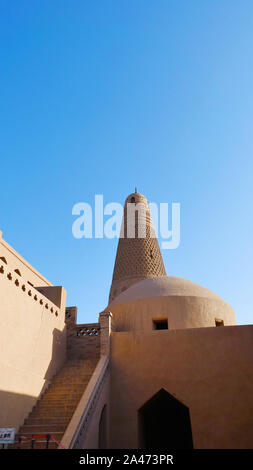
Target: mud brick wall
<point x="83" y="341"/>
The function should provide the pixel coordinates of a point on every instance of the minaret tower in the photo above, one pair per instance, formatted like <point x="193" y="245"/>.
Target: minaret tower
<point x="138" y="255"/>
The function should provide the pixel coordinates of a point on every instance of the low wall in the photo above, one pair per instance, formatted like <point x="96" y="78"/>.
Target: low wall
<point x="83" y="341"/>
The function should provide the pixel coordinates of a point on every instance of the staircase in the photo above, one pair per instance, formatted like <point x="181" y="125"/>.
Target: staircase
<point x="53" y="411"/>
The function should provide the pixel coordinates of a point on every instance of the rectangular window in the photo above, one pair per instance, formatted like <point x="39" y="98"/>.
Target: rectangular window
<point x="219" y="322"/>
<point x="160" y="324"/>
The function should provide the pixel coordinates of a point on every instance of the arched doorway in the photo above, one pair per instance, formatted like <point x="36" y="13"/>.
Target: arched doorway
<point x="164" y="423"/>
<point x="102" y="434"/>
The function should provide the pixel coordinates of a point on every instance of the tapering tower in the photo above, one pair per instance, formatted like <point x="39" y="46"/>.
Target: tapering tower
<point x="138" y="254"/>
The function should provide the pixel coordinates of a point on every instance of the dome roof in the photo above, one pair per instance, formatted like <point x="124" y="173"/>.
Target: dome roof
<point x="164" y="286"/>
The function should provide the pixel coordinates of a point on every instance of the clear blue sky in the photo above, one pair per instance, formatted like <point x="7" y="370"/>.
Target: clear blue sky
<point x="100" y="96"/>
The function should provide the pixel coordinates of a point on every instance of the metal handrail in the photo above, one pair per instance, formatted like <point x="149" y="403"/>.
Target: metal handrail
<point x="35" y="439"/>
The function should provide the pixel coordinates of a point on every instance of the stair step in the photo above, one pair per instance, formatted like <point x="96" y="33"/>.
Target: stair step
<point x="53" y="411"/>
<point x="66" y="391"/>
<point x="74" y="380"/>
<point x="60" y="398"/>
<point x="70" y="382"/>
<point x="58" y="414"/>
<point x="64" y="404"/>
<point x="43" y="429"/>
<point x="63" y="392"/>
<point x="57" y="406"/>
<point x="68" y="386"/>
<point x="49" y="420"/>
<point x="28" y="435"/>
<point x="63" y="398"/>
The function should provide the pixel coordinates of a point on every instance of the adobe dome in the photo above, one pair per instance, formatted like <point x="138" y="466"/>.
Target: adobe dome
<point x="183" y="303"/>
<point x="163" y="286"/>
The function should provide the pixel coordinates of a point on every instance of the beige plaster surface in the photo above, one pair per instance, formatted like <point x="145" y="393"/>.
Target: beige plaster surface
<point x="207" y="369"/>
<point x="183" y="303"/>
<point x="164" y="286"/>
<point x="180" y="312"/>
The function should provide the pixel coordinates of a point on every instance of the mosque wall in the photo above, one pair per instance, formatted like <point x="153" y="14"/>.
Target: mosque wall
<point x="83" y="341"/>
<point x="207" y="369"/>
<point x="32" y="337"/>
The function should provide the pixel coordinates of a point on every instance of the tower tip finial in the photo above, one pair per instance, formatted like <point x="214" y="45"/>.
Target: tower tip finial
<point x="135" y="189"/>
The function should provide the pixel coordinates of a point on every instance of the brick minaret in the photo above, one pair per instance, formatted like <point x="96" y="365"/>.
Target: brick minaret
<point x="138" y="257"/>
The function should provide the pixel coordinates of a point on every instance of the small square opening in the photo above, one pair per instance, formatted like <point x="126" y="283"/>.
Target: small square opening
<point x="160" y="324"/>
<point x="219" y="322"/>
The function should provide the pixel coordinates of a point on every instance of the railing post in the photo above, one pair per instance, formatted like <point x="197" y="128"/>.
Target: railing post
<point x="105" y="332"/>
<point x="32" y="443"/>
<point x="48" y="439"/>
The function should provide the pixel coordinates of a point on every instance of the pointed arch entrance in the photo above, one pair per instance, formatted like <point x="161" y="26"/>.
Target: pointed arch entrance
<point x="102" y="434"/>
<point x="164" y="423"/>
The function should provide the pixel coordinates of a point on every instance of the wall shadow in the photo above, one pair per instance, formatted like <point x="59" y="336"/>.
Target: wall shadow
<point x="15" y="407"/>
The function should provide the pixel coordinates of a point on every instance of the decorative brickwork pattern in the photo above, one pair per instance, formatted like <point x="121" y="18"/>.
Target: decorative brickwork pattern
<point x="71" y="315"/>
<point x="83" y="341"/>
<point x="138" y="255"/>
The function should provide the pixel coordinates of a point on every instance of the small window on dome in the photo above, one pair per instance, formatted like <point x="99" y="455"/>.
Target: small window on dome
<point x="219" y="322"/>
<point x="132" y="199"/>
<point x="160" y="324"/>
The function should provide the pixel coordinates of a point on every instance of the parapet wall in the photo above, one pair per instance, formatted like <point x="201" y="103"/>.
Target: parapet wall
<point x="83" y="340"/>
